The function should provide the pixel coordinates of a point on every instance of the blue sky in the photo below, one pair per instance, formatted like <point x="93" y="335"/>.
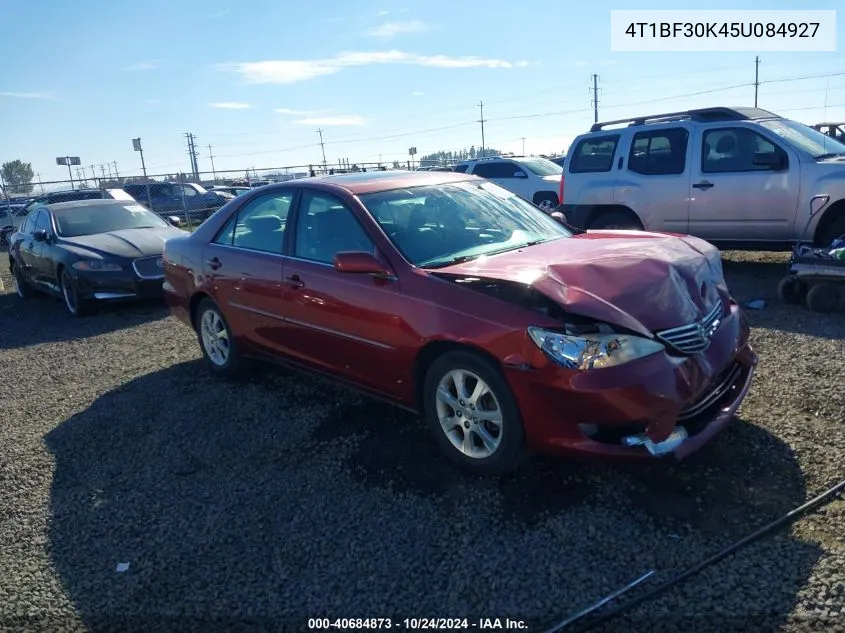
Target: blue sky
<point x="257" y="80"/>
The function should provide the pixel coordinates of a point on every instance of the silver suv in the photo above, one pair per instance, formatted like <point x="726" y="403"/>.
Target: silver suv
<point x="736" y="176"/>
<point x="533" y="178"/>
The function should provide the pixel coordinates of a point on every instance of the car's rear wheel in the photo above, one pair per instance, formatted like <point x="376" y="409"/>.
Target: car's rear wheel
<point x="216" y="340"/>
<point x="833" y="232"/>
<point x="791" y="290"/>
<point x="25" y="291"/>
<point x="75" y="305"/>
<point x="616" y="221"/>
<point x="473" y="414"/>
<point x="547" y="202"/>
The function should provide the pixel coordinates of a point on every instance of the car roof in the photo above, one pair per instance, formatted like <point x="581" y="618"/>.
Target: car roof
<point x="374" y="181"/>
<point x="61" y="206"/>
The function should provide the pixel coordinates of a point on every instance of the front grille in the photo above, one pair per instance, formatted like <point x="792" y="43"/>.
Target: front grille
<point x="695" y="337"/>
<point x="149" y="267"/>
<point x="717" y="390"/>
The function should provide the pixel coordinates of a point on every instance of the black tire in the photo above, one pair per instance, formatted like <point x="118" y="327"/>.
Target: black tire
<point x="615" y="220"/>
<point x="25" y="291"/>
<point x="233" y="364"/>
<point x="834" y="231"/>
<point x="823" y="298"/>
<point x="547" y="201"/>
<point x="75" y="306"/>
<point x="510" y="451"/>
<point x="791" y="290"/>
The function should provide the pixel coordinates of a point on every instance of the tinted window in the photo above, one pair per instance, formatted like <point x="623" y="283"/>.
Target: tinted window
<point x="738" y="149"/>
<point x="326" y="227"/>
<point x="542" y="166"/>
<point x="497" y="170"/>
<point x="91" y="219"/>
<point x="260" y="225"/>
<point x="29" y="223"/>
<point x="593" y="154"/>
<point x="42" y="221"/>
<point x="659" y="152"/>
<point x="461" y="168"/>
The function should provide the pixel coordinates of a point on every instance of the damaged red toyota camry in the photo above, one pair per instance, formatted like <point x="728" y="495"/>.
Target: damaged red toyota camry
<point x="450" y="296"/>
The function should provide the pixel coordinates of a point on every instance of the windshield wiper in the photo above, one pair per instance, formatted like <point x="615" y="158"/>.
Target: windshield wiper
<point x="465" y="258"/>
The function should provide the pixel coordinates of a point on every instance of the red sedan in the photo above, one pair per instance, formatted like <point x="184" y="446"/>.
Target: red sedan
<point x="450" y="296"/>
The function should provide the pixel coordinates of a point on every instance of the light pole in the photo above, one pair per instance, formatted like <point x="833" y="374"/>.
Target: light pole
<point x="136" y="145"/>
<point x="68" y="160"/>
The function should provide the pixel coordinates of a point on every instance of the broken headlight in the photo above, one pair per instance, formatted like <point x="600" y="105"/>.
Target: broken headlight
<point x="592" y="351"/>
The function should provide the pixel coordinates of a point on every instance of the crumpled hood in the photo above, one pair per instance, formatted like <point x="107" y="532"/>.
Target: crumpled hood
<point x="129" y="243"/>
<point x="638" y="280"/>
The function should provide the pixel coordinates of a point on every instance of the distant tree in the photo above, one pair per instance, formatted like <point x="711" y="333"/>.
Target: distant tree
<point x="18" y="176"/>
<point x="450" y="157"/>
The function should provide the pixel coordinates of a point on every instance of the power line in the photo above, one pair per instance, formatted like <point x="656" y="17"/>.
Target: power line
<point x="595" y="98"/>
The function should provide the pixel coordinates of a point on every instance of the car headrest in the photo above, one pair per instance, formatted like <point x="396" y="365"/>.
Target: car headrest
<point x="263" y="223"/>
<point x="726" y="145"/>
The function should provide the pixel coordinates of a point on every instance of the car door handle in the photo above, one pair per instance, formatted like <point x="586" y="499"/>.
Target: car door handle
<point x="294" y="282"/>
<point x="702" y="185"/>
<point x="214" y="263"/>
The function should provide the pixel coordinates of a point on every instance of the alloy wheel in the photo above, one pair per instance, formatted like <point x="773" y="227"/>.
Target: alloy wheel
<point x="546" y="205"/>
<point x="215" y="337"/>
<point x="469" y="413"/>
<point x="69" y="294"/>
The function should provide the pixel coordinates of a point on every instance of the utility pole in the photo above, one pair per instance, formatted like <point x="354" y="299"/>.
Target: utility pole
<point x="93" y="173"/>
<point x="40" y="184"/>
<point x="595" y="98"/>
<point x="192" y="153"/>
<point x="103" y="170"/>
<point x="523" y="146"/>
<point x="323" y="147"/>
<point x="116" y="175"/>
<point x="482" y="121"/>
<point x="756" y="78"/>
<point x="211" y="158"/>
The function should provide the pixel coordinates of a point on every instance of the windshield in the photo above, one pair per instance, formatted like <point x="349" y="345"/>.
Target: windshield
<point x="542" y="167"/>
<point x="805" y="138"/>
<point x="90" y="220"/>
<point x="439" y="225"/>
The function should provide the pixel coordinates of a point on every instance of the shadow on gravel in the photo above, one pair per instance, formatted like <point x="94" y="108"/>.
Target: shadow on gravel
<point x="45" y="320"/>
<point x="223" y="498"/>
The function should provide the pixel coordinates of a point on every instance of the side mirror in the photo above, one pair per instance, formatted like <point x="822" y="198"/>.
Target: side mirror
<point x="360" y="262"/>
<point x="175" y="221"/>
<point x="40" y="235"/>
<point x="557" y="215"/>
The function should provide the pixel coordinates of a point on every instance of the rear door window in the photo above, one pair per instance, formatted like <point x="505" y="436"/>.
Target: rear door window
<point x="659" y="152"/>
<point x="594" y="154"/>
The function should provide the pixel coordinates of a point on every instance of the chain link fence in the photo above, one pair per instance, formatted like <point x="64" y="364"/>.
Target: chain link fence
<point x="189" y="197"/>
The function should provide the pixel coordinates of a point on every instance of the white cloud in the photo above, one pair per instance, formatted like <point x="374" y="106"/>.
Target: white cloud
<point x="220" y="14"/>
<point x="147" y="65"/>
<point x="522" y="63"/>
<point x="46" y="96"/>
<point x="230" y="105"/>
<point x="292" y="71"/>
<point x="389" y="30"/>
<point x="417" y="93"/>
<point x="382" y="14"/>
<point x="297" y="112"/>
<point x="346" y="119"/>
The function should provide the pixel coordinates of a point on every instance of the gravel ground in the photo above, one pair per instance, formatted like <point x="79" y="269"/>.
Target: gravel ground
<point x="258" y="504"/>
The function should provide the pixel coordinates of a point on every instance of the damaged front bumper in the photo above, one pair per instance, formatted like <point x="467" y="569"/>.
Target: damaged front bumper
<point x="661" y="406"/>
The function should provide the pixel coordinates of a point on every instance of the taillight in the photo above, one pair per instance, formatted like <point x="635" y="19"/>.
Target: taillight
<point x="560" y="191"/>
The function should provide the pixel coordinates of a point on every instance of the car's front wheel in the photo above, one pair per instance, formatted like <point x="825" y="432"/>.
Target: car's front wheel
<point x="473" y="413"/>
<point x="25" y="291"/>
<point x="547" y="202"/>
<point x="216" y="340"/>
<point x="75" y="305"/>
